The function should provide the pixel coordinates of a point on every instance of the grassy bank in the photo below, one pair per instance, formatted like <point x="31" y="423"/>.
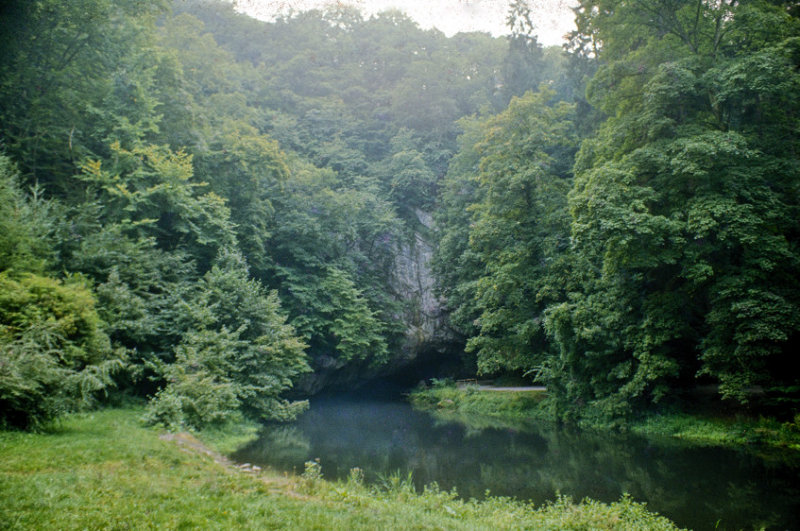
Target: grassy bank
<point x="104" y="470"/>
<point x="228" y="438"/>
<point x="485" y="407"/>
<point x="470" y="401"/>
<point x="722" y="431"/>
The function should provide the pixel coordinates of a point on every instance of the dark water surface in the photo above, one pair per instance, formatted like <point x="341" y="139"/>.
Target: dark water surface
<point x="700" y="488"/>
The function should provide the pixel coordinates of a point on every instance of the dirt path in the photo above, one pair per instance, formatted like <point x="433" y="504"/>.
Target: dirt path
<point x="277" y="483"/>
<point x="189" y="442"/>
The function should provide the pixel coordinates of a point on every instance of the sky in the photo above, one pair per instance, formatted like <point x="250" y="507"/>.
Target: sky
<point x="553" y="18"/>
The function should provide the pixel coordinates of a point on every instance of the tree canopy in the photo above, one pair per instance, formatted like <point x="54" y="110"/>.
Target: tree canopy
<point x="674" y="258"/>
<point x="210" y="210"/>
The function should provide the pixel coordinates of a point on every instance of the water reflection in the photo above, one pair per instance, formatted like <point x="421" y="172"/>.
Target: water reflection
<point x="696" y="487"/>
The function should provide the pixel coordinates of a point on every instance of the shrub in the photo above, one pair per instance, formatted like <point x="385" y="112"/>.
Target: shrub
<point x="236" y="357"/>
<point x="200" y="391"/>
<point x="54" y="355"/>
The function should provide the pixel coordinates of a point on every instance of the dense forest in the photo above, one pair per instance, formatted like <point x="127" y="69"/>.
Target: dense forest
<point x="212" y="211"/>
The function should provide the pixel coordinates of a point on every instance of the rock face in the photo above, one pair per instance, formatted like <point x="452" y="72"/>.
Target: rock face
<point x="414" y="283"/>
<point x="426" y="334"/>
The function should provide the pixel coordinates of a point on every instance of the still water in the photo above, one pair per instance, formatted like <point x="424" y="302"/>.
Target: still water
<point x="700" y="488"/>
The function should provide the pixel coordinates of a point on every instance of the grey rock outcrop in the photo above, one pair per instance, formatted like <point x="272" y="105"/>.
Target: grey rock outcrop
<point x="414" y="285"/>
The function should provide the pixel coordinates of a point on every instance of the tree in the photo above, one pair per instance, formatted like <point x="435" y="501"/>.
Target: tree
<point x="333" y="253"/>
<point x="54" y="354"/>
<point x="237" y="354"/>
<point x="455" y="263"/>
<point x="684" y="212"/>
<point x="524" y="63"/>
<point x="247" y="170"/>
<point x="150" y="192"/>
<point x="519" y="229"/>
<point x="71" y="77"/>
<point x="25" y="224"/>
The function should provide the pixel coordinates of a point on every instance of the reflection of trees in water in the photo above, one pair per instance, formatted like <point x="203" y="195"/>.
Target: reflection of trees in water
<point x="277" y="445"/>
<point x="694" y="486"/>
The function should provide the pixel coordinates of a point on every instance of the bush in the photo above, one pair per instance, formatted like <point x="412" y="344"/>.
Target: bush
<point x="236" y="357"/>
<point x="54" y="355"/>
<point x="200" y="391"/>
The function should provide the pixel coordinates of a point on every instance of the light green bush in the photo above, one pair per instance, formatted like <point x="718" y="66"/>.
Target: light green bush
<point x="54" y="355"/>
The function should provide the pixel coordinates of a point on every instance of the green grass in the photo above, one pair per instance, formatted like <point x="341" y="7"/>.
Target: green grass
<point x="105" y="471"/>
<point x="470" y="401"/>
<point x="478" y="409"/>
<point x="711" y="430"/>
<point x="228" y="438"/>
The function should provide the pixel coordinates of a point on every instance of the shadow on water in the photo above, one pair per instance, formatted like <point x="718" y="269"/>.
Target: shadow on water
<point x="696" y="487"/>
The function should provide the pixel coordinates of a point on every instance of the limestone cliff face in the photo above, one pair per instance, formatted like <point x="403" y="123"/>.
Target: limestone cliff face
<point x="414" y="283"/>
<point x="422" y="319"/>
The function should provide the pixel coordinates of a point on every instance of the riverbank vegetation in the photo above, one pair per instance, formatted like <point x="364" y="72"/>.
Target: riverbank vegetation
<point x="119" y="474"/>
<point x="741" y="431"/>
<point x="470" y="401"/>
<point x="475" y="407"/>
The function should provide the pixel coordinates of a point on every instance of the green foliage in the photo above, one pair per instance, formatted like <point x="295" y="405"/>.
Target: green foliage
<point x="412" y="183"/>
<point x="343" y="88"/>
<point x="54" y="355"/>
<point x="150" y="192"/>
<point x="247" y="169"/>
<point x="333" y="251"/>
<point x="237" y="354"/>
<point x="522" y="66"/>
<point x="71" y="80"/>
<point x="24" y="224"/>
<point x="684" y="217"/>
<point x="322" y="238"/>
<point x="518" y="229"/>
<point x="475" y="407"/>
<point x="673" y="256"/>
<point x="338" y="318"/>
<point x="200" y="390"/>
<point x="480" y="409"/>
<point x="189" y="159"/>
<point x="314" y="145"/>
<point x="140" y="290"/>
<point x="455" y="264"/>
<point x="720" y="431"/>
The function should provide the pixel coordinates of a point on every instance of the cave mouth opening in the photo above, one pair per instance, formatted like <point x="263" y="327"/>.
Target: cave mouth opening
<point x="395" y="382"/>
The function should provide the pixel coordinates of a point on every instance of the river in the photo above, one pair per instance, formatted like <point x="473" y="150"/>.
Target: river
<point x="696" y="487"/>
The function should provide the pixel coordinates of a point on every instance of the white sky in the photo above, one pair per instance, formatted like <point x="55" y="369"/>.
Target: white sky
<point x="553" y="18"/>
